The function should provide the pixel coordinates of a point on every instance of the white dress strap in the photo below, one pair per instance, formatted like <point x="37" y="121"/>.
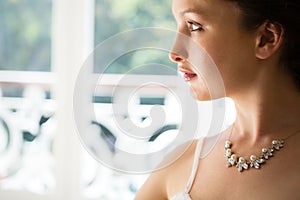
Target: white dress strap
<point x="195" y="165"/>
<point x="184" y="195"/>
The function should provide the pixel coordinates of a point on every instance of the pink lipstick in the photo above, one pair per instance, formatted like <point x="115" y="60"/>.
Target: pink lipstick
<point x="188" y="75"/>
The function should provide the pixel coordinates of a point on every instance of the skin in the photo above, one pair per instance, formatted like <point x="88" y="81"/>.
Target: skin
<point x="267" y="103"/>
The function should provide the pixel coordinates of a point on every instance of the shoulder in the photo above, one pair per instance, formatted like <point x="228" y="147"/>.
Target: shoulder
<point x="171" y="179"/>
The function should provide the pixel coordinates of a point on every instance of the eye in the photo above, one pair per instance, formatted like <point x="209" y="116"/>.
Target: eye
<point x="194" y="26"/>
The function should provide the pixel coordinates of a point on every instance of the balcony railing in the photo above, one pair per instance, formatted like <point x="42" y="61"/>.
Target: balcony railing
<point x="29" y="135"/>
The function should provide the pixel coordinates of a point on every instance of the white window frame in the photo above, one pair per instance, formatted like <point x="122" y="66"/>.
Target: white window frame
<point x="72" y="40"/>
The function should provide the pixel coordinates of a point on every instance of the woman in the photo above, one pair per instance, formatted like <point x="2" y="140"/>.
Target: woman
<point x="255" y="46"/>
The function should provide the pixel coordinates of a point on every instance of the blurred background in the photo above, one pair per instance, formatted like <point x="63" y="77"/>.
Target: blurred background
<point x="42" y="47"/>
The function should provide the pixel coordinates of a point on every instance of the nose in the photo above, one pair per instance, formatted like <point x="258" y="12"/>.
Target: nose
<point x="178" y="52"/>
<point x="174" y="57"/>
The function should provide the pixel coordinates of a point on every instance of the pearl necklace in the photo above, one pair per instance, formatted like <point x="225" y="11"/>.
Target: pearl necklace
<point x="255" y="161"/>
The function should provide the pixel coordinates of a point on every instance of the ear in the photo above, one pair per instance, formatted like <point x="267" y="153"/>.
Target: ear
<point x="269" y="39"/>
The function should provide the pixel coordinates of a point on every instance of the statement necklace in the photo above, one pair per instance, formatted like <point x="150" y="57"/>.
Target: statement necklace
<point x="255" y="161"/>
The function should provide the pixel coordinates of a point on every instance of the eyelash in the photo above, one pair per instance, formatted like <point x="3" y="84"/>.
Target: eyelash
<point x="194" y="26"/>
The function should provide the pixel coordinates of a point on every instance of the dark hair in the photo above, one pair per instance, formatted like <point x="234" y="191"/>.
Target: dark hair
<point x="284" y="12"/>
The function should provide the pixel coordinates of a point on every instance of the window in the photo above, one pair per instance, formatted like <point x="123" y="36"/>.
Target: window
<point x="27" y="124"/>
<point x="26" y="130"/>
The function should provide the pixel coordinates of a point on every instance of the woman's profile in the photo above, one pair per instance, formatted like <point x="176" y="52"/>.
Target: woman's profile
<point x="255" y="46"/>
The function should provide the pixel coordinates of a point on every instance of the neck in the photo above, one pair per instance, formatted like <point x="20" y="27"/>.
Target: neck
<point x="268" y="110"/>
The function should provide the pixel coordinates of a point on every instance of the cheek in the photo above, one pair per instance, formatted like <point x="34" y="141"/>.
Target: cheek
<point x="210" y="66"/>
<point x="225" y="58"/>
<point x="235" y="62"/>
<point x="219" y="51"/>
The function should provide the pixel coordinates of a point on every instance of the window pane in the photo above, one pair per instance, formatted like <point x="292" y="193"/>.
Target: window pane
<point x="25" y="34"/>
<point x="115" y="16"/>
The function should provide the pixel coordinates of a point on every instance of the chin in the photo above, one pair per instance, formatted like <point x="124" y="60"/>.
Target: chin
<point x="201" y="92"/>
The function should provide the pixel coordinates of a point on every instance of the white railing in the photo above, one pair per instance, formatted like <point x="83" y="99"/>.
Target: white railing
<point x="37" y="147"/>
<point x="28" y="131"/>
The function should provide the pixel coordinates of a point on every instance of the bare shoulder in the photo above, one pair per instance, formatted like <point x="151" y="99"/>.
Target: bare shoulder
<point x="167" y="181"/>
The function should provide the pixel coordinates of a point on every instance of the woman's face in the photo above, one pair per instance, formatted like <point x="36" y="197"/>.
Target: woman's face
<point x="215" y="25"/>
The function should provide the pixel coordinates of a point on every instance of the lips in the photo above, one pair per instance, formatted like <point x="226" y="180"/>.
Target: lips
<point x="188" y="75"/>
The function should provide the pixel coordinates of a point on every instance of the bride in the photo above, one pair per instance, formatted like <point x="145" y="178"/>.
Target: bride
<point x="255" y="46"/>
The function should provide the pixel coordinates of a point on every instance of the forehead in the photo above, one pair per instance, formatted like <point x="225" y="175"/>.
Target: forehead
<point x="205" y="8"/>
<point x="182" y="6"/>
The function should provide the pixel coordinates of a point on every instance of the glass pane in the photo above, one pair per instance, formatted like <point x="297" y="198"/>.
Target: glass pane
<point x="115" y="16"/>
<point x="26" y="35"/>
